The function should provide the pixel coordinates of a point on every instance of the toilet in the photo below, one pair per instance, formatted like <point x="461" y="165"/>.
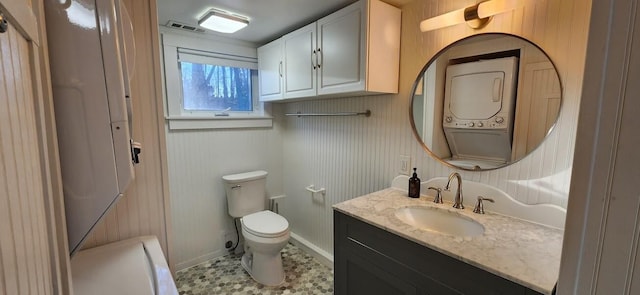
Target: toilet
<point x="265" y="233"/>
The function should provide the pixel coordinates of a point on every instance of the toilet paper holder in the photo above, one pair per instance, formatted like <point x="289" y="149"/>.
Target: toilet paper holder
<point x="313" y="190"/>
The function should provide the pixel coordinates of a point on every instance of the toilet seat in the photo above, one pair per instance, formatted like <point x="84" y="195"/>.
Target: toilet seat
<point x="265" y="224"/>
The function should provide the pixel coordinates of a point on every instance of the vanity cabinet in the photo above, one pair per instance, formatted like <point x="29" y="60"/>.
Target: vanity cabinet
<point x="270" y="71"/>
<point x="369" y="260"/>
<point x="353" y="51"/>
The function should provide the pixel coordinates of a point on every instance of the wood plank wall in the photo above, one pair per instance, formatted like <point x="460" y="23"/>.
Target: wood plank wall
<point x="25" y="262"/>
<point x="354" y="156"/>
<point x="144" y="208"/>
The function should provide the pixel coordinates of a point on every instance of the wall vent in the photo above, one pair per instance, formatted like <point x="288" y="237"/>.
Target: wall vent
<point x="182" y="26"/>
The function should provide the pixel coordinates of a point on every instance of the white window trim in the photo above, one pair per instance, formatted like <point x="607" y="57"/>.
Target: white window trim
<point x="177" y="117"/>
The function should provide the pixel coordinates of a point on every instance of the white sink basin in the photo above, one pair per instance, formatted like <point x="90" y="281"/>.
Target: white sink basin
<point x="440" y="221"/>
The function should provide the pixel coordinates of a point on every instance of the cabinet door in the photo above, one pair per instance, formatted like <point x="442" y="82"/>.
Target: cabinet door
<point x="362" y="276"/>
<point x="300" y="59"/>
<point x="270" y="71"/>
<point x="341" y="56"/>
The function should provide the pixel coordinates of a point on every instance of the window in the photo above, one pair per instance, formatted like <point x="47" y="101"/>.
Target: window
<point x="211" y="85"/>
<point x="216" y="88"/>
<point x="215" y="82"/>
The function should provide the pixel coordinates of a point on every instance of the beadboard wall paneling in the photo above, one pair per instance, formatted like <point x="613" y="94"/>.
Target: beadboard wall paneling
<point x="197" y="161"/>
<point x="142" y="210"/>
<point x="352" y="156"/>
<point x="52" y="175"/>
<point x="25" y="257"/>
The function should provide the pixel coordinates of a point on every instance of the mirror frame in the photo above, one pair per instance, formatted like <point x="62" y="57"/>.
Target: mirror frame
<point x="416" y="83"/>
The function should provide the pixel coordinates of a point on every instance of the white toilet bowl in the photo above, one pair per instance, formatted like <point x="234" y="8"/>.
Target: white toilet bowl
<point x="265" y="234"/>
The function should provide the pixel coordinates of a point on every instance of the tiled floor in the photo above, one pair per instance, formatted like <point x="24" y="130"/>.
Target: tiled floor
<point x="224" y="275"/>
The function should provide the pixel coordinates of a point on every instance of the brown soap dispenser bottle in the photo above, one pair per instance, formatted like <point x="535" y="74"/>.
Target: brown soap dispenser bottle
<point x="414" y="185"/>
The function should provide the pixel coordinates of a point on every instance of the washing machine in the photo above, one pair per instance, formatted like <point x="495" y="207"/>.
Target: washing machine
<point x="478" y="112"/>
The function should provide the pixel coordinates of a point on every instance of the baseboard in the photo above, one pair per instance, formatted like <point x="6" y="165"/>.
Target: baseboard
<point x="200" y="259"/>
<point x="321" y="255"/>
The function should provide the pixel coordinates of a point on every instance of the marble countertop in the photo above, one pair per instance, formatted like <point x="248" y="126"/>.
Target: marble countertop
<point x="517" y="250"/>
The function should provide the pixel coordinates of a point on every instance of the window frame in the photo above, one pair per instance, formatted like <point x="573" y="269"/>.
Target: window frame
<point x="179" y="118"/>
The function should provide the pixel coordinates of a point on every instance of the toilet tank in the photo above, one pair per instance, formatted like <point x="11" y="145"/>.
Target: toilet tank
<point x="246" y="192"/>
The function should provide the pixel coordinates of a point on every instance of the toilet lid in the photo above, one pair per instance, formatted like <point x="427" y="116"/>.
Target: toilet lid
<point x="265" y="224"/>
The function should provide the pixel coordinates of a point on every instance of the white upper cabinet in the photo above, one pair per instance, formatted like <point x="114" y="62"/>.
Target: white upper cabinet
<point x="353" y="51"/>
<point x="300" y="58"/>
<point x="340" y="50"/>
<point x="271" y="71"/>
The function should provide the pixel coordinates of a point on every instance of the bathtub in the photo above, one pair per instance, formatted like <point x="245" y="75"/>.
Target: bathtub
<point x="134" y="266"/>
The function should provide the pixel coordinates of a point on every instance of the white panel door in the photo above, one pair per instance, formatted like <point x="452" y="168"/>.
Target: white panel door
<point x="270" y="71"/>
<point x="300" y="59"/>
<point x="602" y="238"/>
<point x="341" y="56"/>
<point x="539" y="104"/>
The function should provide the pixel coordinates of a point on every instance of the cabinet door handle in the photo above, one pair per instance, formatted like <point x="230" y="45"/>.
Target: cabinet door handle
<point x="314" y="58"/>
<point x="321" y="58"/>
<point x="280" y="69"/>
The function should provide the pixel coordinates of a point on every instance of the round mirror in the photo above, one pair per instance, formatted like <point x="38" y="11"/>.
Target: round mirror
<point x="485" y="101"/>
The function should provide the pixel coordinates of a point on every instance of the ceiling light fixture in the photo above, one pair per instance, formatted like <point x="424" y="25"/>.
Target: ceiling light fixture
<point x="476" y="16"/>
<point x="223" y="22"/>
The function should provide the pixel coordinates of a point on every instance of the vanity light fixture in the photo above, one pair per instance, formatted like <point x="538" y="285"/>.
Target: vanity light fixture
<point x="222" y="21"/>
<point x="476" y="16"/>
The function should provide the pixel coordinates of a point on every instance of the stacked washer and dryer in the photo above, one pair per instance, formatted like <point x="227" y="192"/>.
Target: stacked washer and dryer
<point x="91" y="50"/>
<point x="478" y="113"/>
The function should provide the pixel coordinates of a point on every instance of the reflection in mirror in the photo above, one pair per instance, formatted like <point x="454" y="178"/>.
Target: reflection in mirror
<point x="485" y="101"/>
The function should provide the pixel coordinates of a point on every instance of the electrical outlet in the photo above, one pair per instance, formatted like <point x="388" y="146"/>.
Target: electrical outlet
<point x="405" y="165"/>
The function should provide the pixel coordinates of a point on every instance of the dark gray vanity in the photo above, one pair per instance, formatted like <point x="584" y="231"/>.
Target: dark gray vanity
<point x="369" y="260"/>
<point x="376" y="253"/>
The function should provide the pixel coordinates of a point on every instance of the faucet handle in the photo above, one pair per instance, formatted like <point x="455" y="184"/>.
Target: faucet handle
<point x="438" y="197"/>
<point x="479" y="208"/>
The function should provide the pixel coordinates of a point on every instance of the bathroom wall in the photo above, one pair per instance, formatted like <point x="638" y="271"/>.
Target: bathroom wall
<point x="352" y="156"/>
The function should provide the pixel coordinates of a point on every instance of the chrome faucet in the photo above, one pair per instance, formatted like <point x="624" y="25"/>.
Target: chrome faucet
<point x="457" y="201"/>
<point x="438" y="198"/>
<point x="479" y="208"/>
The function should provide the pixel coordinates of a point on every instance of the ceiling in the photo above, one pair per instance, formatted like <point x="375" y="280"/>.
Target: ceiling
<point x="269" y="19"/>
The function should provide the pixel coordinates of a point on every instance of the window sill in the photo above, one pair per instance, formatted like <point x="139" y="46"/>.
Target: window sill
<point x="231" y="122"/>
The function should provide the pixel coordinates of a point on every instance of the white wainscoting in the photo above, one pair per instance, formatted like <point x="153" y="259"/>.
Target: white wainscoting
<point x="352" y="156"/>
